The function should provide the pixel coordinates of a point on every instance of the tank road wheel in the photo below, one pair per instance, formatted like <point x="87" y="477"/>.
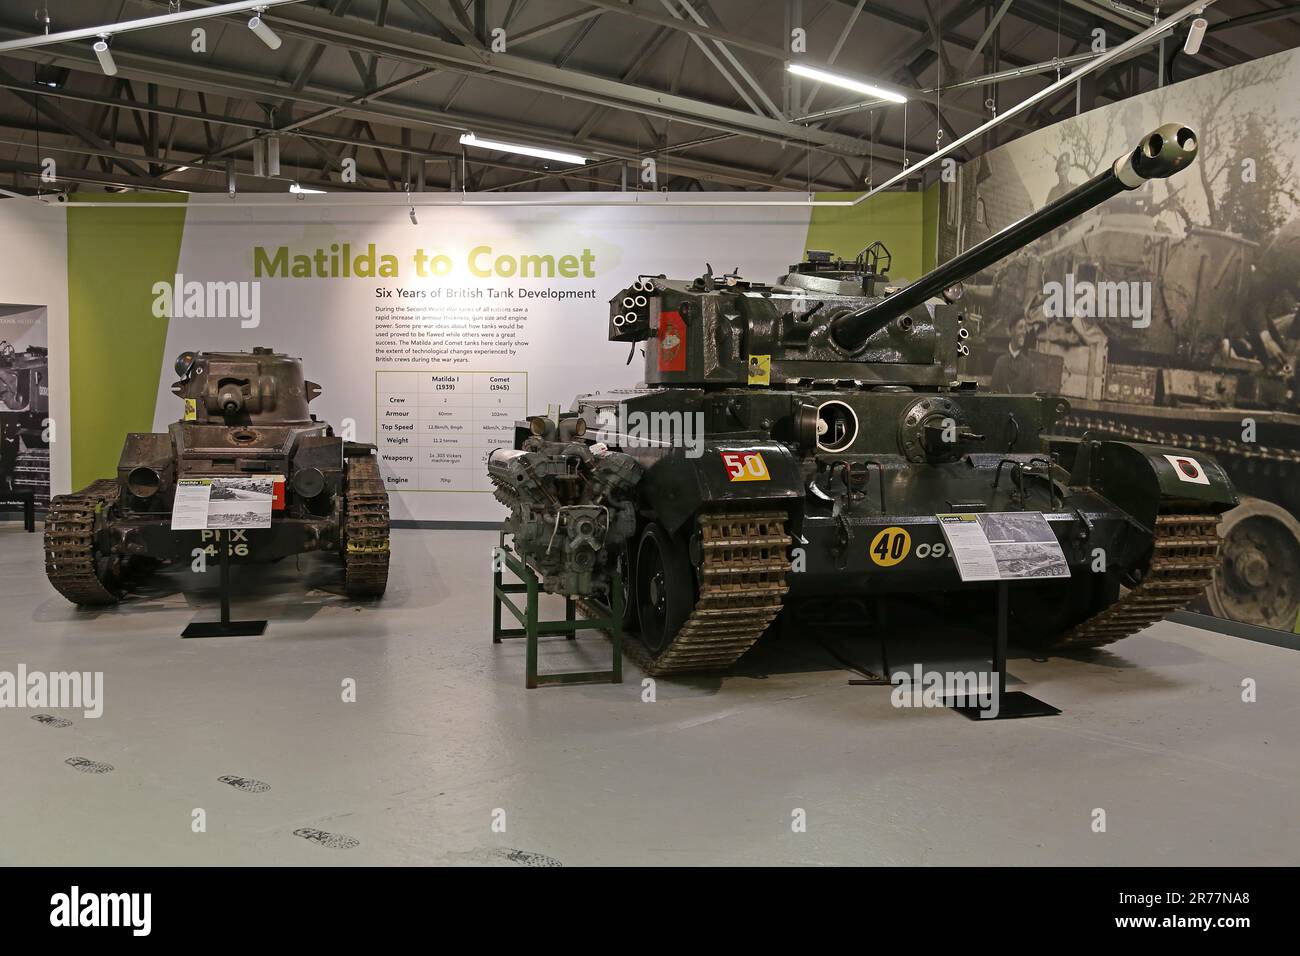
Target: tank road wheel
<point x="74" y="564"/>
<point x="365" y="529"/>
<point x="1259" y="579"/>
<point x="665" y="588"/>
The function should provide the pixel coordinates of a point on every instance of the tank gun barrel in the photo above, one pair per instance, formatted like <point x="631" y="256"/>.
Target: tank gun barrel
<point x="1161" y="153"/>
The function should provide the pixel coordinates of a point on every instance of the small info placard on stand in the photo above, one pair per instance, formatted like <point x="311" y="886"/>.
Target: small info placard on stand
<point x="1003" y="546"/>
<point x="222" y="504"/>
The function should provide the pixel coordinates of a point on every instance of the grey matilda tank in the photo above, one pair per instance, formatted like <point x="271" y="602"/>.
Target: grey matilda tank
<point x="819" y="425"/>
<point x="246" y="416"/>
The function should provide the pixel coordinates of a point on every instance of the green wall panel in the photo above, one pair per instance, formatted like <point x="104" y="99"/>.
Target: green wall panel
<point x="115" y="343"/>
<point x="892" y="218"/>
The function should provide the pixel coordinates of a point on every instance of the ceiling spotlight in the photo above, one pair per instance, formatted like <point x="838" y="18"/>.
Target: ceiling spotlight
<point x="105" y="56"/>
<point x="259" y="157"/>
<point x="845" y="82"/>
<point x="264" y="33"/>
<point x="303" y="190"/>
<point x="52" y="76"/>
<point x="1195" y="34"/>
<point x="469" y="139"/>
<point x="414" y="220"/>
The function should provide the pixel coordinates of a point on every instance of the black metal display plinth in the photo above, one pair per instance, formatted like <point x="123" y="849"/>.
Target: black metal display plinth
<point x="872" y="679"/>
<point x="225" y="627"/>
<point x="26" y="500"/>
<point x="1008" y="706"/>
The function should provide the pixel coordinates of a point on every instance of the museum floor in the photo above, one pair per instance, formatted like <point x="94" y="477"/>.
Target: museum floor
<point x="443" y="737"/>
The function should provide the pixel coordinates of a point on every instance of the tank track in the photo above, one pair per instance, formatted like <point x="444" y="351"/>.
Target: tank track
<point x="1077" y="423"/>
<point x="69" y="544"/>
<point x="742" y="586"/>
<point x="1185" y="557"/>
<point x="365" y="530"/>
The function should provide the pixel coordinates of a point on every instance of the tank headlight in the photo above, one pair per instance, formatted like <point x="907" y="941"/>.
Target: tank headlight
<point x="184" y="364"/>
<point x="143" y="481"/>
<point x="308" y="482"/>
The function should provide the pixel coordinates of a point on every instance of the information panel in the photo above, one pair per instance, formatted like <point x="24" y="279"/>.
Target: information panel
<point x="1003" y="546"/>
<point x="435" y="429"/>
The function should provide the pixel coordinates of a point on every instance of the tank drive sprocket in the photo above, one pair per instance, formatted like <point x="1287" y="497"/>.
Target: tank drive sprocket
<point x="365" y="530"/>
<point x="1184" y="558"/>
<point x="74" y="567"/>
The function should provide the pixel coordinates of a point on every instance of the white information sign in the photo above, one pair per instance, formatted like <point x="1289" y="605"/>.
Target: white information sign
<point x="1003" y="546"/>
<point x="237" y="501"/>
<point x="190" y="506"/>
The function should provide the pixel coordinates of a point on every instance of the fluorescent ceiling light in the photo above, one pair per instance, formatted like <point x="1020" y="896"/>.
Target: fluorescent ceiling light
<point x="265" y="33"/>
<point x="848" y="83"/>
<point x="105" y="57"/>
<point x="295" y="188"/>
<point x="469" y="139"/>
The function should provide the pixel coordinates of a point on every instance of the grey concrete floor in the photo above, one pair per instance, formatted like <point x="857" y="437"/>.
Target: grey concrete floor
<point x="443" y="739"/>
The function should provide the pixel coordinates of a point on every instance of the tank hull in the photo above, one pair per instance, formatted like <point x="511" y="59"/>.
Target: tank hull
<point x="1118" y="505"/>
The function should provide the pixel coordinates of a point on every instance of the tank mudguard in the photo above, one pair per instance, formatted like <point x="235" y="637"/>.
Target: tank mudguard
<point x="1142" y="479"/>
<point x="733" y="471"/>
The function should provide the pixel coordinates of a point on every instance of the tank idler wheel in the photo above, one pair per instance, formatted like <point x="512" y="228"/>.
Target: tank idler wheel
<point x="664" y="588"/>
<point x="1258" y="581"/>
<point x="74" y="564"/>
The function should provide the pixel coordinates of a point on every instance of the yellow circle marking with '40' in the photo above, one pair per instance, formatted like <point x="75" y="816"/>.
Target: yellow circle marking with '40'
<point x="890" y="546"/>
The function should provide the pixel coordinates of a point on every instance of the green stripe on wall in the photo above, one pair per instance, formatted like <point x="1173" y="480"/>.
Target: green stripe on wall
<point x="892" y="218"/>
<point x="930" y="229"/>
<point x="115" y="343"/>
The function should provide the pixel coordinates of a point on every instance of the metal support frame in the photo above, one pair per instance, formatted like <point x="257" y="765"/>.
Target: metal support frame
<point x="533" y="627"/>
<point x="24" y="499"/>
<point x="1009" y="706"/>
<point x="224" y="627"/>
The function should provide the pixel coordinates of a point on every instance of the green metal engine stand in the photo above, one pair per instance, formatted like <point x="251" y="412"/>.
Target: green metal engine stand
<point x="533" y="628"/>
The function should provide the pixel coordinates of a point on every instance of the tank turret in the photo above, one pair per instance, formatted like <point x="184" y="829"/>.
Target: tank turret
<point x="844" y="322"/>
<point x="244" y="388"/>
